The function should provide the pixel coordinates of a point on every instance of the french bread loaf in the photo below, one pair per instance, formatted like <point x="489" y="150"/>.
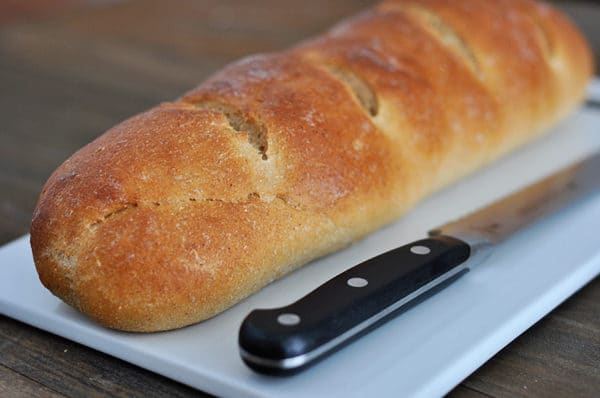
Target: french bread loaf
<point x="182" y="211"/>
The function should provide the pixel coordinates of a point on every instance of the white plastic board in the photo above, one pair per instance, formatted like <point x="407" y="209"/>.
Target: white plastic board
<point x="423" y="352"/>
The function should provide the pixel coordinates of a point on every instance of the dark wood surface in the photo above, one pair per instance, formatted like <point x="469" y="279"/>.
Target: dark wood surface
<point x="69" y="70"/>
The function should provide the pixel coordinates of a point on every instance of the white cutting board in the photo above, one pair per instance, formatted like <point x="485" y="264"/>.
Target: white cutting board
<point x="423" y="352"/>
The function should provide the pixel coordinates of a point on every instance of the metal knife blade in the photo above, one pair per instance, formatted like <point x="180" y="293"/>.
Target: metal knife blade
<point x="499" y="220"/>
<point x="285" y="340"/>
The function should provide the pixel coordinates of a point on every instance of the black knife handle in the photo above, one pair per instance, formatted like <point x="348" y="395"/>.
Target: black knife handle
<point x="287" y="339"/>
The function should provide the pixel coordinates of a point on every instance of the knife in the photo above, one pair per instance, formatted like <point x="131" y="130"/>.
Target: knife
<point x="284" y="340"/>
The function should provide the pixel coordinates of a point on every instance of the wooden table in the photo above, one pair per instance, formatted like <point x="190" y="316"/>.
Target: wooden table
<point x="70" y="71"/>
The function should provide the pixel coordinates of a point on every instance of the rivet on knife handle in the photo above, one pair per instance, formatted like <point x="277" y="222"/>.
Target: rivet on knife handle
<point x="286" y="339"/>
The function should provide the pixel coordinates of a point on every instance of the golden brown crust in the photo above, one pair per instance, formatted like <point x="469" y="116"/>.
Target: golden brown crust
<point x="178" y="213"/>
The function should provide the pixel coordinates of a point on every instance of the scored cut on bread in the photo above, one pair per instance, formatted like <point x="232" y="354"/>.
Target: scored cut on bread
<point x="180" y="212"/>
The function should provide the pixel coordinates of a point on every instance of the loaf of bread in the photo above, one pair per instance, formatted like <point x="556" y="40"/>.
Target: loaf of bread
<point x="182" y="211"/>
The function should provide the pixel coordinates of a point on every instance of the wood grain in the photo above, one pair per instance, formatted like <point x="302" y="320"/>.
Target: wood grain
<point x="68" y="75"/>
<point x="13" y="384"/>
